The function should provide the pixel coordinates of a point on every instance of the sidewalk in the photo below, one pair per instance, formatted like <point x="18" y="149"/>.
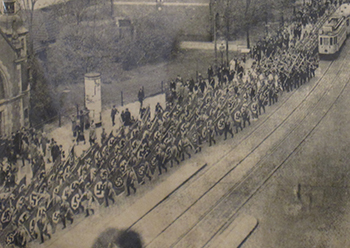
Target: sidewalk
<point x="233" y="46"/>
<point x="64" y="135"/>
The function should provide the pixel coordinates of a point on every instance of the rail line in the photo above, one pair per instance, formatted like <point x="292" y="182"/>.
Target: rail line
<point x="256" y="167"/>
<point x="274" y="170"/>
<point x="254" y="173"/>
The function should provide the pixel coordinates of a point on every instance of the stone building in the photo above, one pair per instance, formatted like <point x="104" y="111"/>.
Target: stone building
<point x="14" y="72"/>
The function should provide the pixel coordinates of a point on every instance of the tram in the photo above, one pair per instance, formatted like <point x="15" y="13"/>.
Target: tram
<point x="333" y="33"/>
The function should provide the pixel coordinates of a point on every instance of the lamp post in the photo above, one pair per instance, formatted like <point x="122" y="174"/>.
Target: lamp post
<point x="215" y="40"/>
<point x="222" y="50"/>
<point x="227" y="22"/>
<point x="61" y="102"/>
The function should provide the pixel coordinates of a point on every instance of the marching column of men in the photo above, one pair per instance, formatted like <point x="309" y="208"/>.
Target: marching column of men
<point x="196" y="112"/>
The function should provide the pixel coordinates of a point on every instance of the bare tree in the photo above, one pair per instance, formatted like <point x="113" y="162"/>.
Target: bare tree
<point x="282" y="6"/>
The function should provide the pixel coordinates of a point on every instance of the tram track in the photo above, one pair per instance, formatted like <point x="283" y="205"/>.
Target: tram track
<point x="243" y="139"/>
<point x="254" y="169"/>
<point x="267" y="166"/>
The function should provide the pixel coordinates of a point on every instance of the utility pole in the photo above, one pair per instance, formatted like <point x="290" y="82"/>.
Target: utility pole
<point x="215" y="41"/>
<point x="227" y="30"/>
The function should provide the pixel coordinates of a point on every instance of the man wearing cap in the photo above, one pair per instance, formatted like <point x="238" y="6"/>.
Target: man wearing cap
<point x="109" y="192"/>
<point x="127" y="117"/>
<point x="88" y="198"/>
<point x="114" y="111"/>
<point x="227" y="128"/>
<point x="130" y="180"/>
<point x="43" y="224"/>
<point x="66" y="212"/>
<point x="141" y="96"/>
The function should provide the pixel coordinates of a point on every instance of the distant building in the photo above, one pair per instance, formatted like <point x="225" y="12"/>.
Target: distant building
<point x="14" y="72"/>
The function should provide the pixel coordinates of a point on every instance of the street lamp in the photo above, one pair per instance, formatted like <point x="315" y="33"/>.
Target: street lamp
<point x="61" y="102"/>
<point x="222" y="50"/>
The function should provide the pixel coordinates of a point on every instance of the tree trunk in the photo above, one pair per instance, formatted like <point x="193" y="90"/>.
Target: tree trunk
<point x="112" y="8"/>
<point x="227" y="38"/>
<point x="248" y="41"/>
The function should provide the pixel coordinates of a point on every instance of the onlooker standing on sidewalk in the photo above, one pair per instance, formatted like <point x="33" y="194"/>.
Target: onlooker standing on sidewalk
<point x="43" y="142"/>
<point x="55" y="152"/>
<point x="113" y="113"/>
<point x="80" y="136"/>
<point x="82" y="120"/>
<point x="127" y="117"/>
<point x="141" y="95"/>
<point x="103" y="136"/>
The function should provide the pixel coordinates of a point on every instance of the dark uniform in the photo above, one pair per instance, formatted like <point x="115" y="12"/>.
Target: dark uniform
<point x="237" y="117"/>
<point x="261" y="102"/>
<point x="245" y="116"/>
<point x="114" y="111"/>
<point x="43" y="227"/>
<point x="66" y="213"/>
<point x="130" y="181"/>
<point x="160" y="159"/>
<point x="109" y="192"/>
<point x="211" y="135"/>
<point x="227" y="128"/>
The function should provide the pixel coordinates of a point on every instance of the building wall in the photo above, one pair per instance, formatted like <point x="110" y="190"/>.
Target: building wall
<point x="191" y="22"/>
<point x="16" y="99"/>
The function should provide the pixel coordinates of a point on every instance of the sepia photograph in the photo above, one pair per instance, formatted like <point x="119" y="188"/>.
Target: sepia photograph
<point x="174" y="123"/>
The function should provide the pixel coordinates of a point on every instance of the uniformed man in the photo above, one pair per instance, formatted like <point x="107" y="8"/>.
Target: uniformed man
<point x="43" y="226"/>
<point x="87" y="200"/>
<point x="237" y="118"/>
<point x="210" y="133"/>
<point x="146" y="172"/>
<point x="130" y="181"/>
<point x="261" y="102"/>
<point x="103" y="136"/>
<point x="172" y="154"/>
<point x="245" y="115"/>
<point x="66" y="212"/>
<point x="227" y="128"/>
<point x="254" y="108"/>
<point x="182" y="147"/>
<point x="159" y="109"/>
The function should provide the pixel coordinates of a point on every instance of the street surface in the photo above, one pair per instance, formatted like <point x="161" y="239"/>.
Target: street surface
<point x="303" y="139"/>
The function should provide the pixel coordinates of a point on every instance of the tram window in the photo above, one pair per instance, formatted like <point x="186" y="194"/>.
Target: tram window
<point x="326" y="41"/>
<point x="331" y="41"/>
<point x="320" y="41"/>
